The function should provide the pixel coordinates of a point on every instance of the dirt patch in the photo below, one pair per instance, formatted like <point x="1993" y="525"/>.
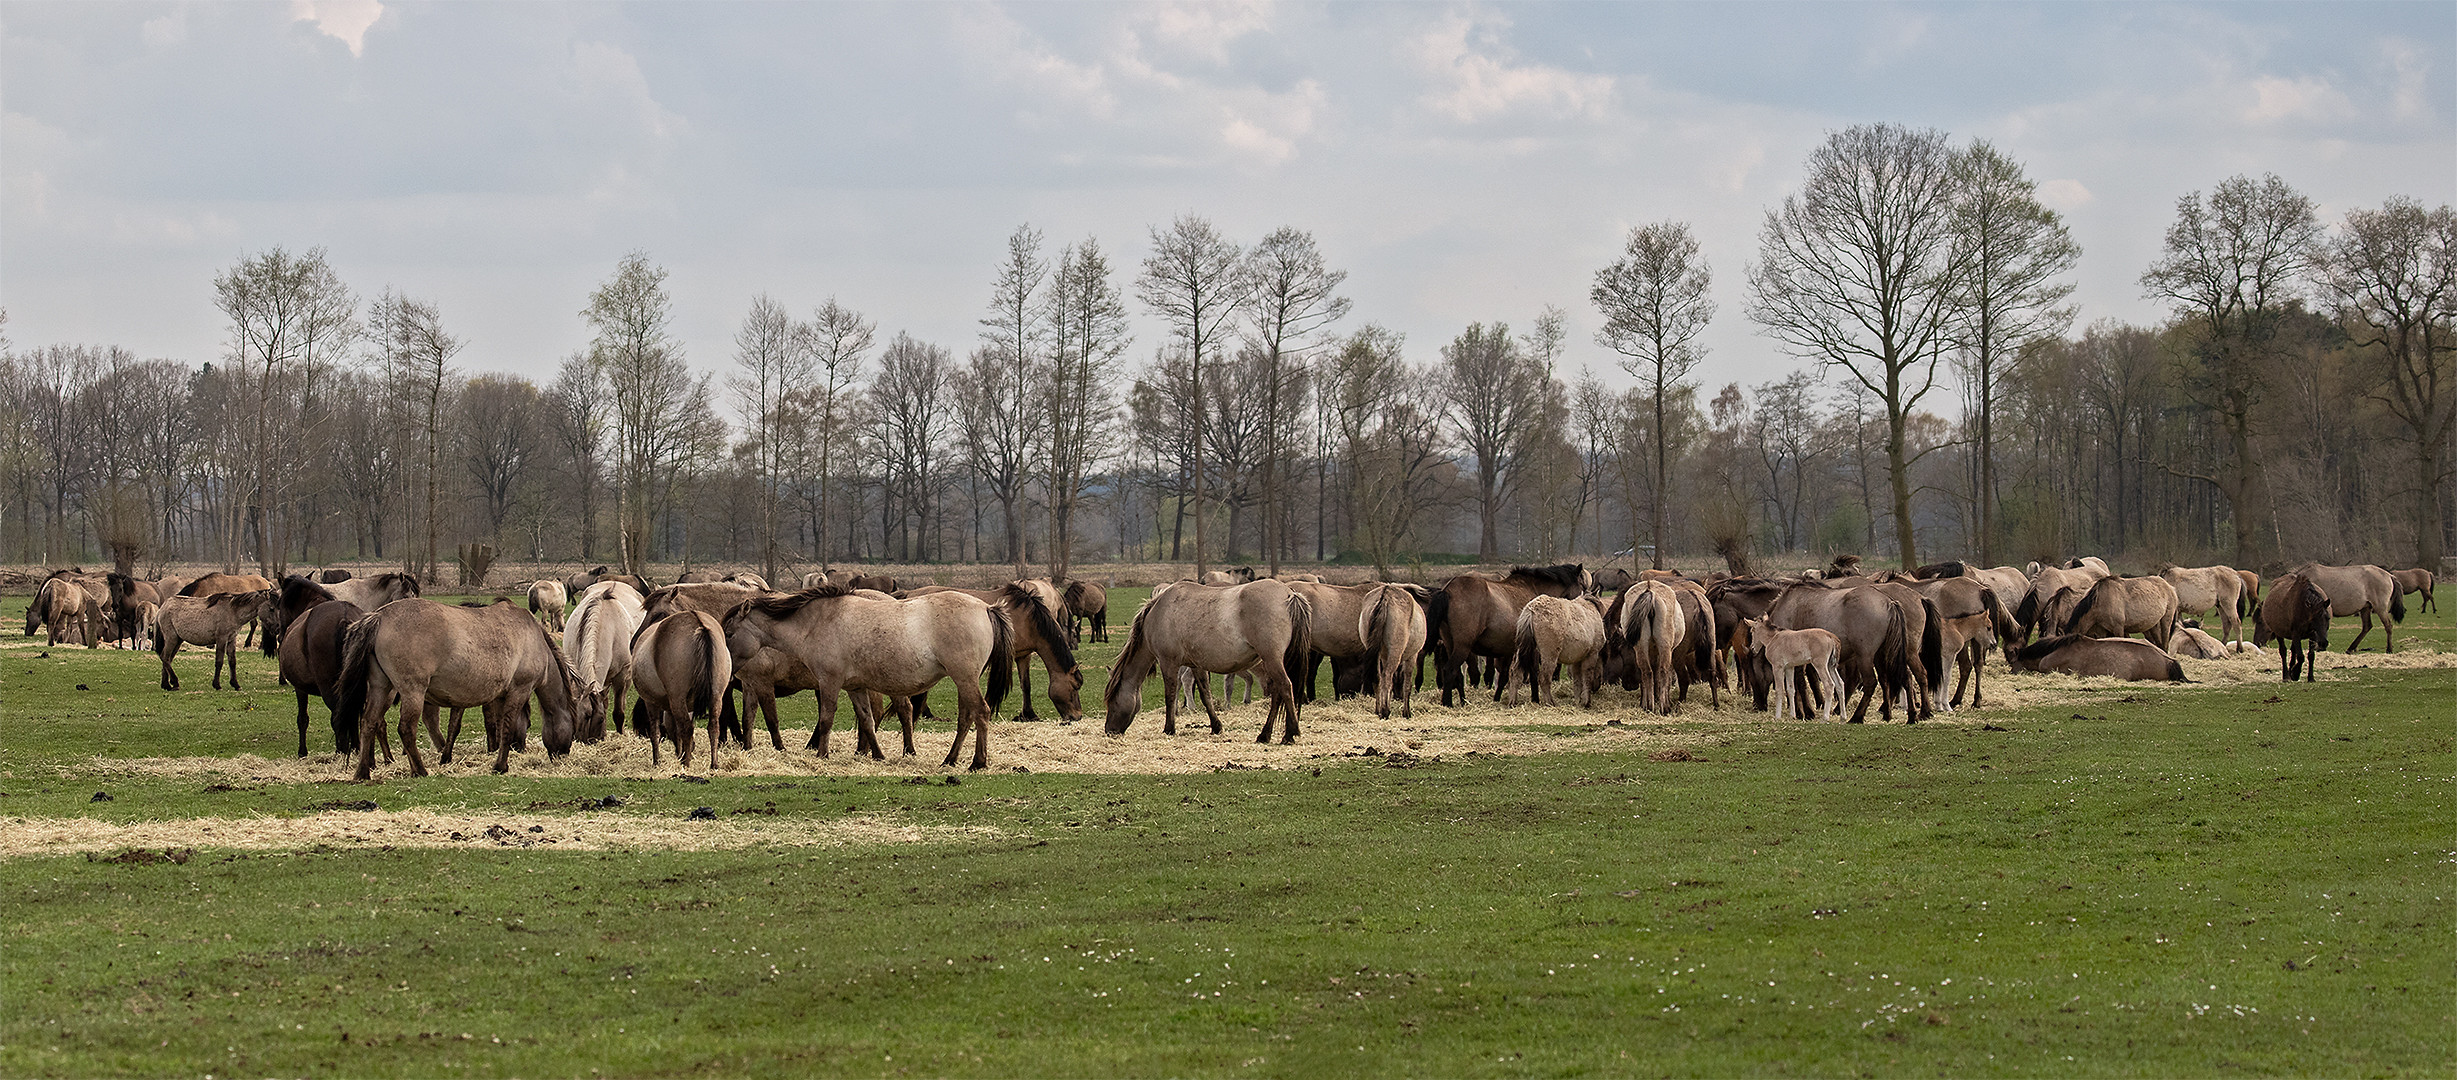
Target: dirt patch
<point x="139" y="843"/>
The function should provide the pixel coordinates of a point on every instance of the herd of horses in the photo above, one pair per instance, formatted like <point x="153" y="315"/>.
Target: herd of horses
<point x="1801" y="645"/>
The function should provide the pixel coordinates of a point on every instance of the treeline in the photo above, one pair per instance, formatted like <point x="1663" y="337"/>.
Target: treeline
<point x="2298" y="403"/>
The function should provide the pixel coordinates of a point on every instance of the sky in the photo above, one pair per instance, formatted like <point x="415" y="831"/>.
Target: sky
<point x="1462" y="163"/>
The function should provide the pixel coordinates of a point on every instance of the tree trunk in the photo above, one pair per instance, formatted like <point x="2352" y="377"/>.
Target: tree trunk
<point x="1488" y="513"/>
<point x="1662" y="453"/>
<point x="1899" y="472"/>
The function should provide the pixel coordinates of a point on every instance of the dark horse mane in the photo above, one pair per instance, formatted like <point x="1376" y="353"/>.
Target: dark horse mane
<point x="298" y="593"/>
<point x="783" y="606"/>
<point x="2038" y="650"/>
<point x="1567" y="575"/>
<point x="1044" y="621"/>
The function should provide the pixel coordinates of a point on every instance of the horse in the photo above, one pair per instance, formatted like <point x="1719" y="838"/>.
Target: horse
<point x="1474" y="615"/>
<point x="1555" y="633"/>
<point x="2200" y="588"/>
<point x="873" y="582"/>
<point x="124" y="607"/>
<point x="1812" y="652"/>
<point x="2361" y="590"/>
<point x="2295" y="611"/>
<point x="2119" y="606"/>
<point x="2116" y="658"/>
<point x="1967" y="638"/>
<point x="1651" y="627"/>
<point x="206" y="620"/>
<point x="1735" y="600"/>
<point x="2417" y="580"/>
<point x="697" y="577"/>
<point x="68" y="612"/>
<point x="1612" y="579"/>
<point x="680" y="666"/>
<point x="2191" y="643"/>
<point x="311" y="664"/>
<point x="1697" y="660"/>
<point x="1395" y="628"/>
<point x="218" y="582"/>
<point x="297" y="595"/>
<point x="1968" y="596"/>
<point x="597" y="644"/>
<point x="896" y="647"/>
<point x="425" y="655"/>
<point x="1238" y="576"/>
<point x="1263" y="625"/>
<point x="332" y="576"/>
<point x="749" y="580"/>
<point x="1880" y="650"/>
<point x="708" y="597"/>
<point x="1087" y="602"/>
<point x="2045" y="583"/>
<point x="765" y="674"/>
<point x="1032" y="608"/>
<point x="549" y="603"/>
<point x="816" y="578"/>
<point x="1339" y="631"/>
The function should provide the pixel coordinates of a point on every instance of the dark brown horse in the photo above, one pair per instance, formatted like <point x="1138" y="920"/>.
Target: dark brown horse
<point x="1477" y="616"/>
<point x="311" y="664"/>
<point x="2296" y="611"/>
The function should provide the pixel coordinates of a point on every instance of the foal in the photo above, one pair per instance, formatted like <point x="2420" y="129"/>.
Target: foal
<point x="1785" y="651"/>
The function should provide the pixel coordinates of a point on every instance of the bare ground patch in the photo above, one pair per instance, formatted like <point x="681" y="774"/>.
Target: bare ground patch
<point x="598" y="831"/>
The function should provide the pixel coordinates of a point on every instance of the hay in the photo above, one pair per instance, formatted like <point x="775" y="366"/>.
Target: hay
<point x="345" y="829"/>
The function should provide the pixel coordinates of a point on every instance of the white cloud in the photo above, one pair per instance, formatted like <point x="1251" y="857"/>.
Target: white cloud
<point x="1476" y="80"/>
<point x="605" y="72"/>
<point x="164" y="31"/>
<point x="2410" y="100"/>
<point x="1206" y="30"/>
<point x="345" y="21"/>
<point x="2308" y="98"/>
<point x="2066" y="194"/>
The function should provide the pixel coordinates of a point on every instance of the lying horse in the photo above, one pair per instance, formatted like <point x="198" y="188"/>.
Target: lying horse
<point x="426" y="655"/>
<point x="2118" y="658"/>
<point x="1262" y="625"/>
<point x="850" y="641"/>
<point x="2295" y="611"/>
<point x="206" y="620"/>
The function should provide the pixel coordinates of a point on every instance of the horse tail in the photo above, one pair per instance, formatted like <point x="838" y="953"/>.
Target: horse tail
<point x="357" y="666"/>
<point x="702" y="668"/>
<point x="1932" y="644"/>
<point x="1300" y="636"/>
<point x="1894" y="650"/>
<point x="1002" y="666"/>
<point x="2244" y="600"/>
<point x="1437" y="632"/>
<point x="1525" y="658"/>
<point x="2397" y="602"/>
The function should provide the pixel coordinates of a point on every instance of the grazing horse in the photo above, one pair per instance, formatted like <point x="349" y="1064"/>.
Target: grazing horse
<point x="217" y="582"/>
<point x="126" y="605"/>
<point x="2361" y="590"/>
<point x="1034" y="631"/>
<point x="2045" y="582"/>
<point x="1554" y="633"/>
<point x="1736" y="600"/>
<point x="424" y="656"/>
<point x="206" y="620"/>
<point x="2122" y="606"/>
<point x="852" y="641"/>
<point x="2295" y="611"/>
<point x="2417" y="580"/>
<point x="2200" y="588"/>
<point x="707" y="597"/>
<point x="680" y="666"/>
<point x="332" y="576"/>
<point x="2116" y="658"/>
<point x="549" y="603"/>
<point x="597" y="643"/>
<point x="1652" y="628"/>
<point x="1087" y="602"/>
<point x="1811" y="653"/>
<point x="1263" y="625"/>
<point x="1882" y="656"/>
<point x="1474" y="615"/>
<point x="1395" y="628"/>
<point x="69" y="612"/>
<point x="311" y="664"/>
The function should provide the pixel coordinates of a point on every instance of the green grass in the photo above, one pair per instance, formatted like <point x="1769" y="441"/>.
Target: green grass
<point x="2188" y="881"/>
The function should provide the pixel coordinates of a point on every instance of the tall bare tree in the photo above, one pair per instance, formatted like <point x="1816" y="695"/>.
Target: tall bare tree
<point x="2233" y="268"/>
<point x="1863" y="269"/>
<point x="996" y="387"/>
<point x="910" y="418"/>
<point x="2393" y="275"/>
<point x="2019" y="252"/>
<point x="1087" y="334"/>
<point x="577" y="405"/>
<point x="416" y="355"/>
<point x="1496" y="397"/>
<point x="1655" y="306"/>
<point x="287" y="312"/>
<point x="499" y="442"/>
<point x="1386" y="419"/>
<point x="772" y="367"/>
<point x="1295" y="297"/>
<point x="840" y="341"/>
<point x="649" y="384"/>
<point x="1195" y="280"/>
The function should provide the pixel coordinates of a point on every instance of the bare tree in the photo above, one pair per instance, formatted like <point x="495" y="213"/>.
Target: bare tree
<point x="499" y="441"/>
<point x="286" y="312"/>
<point x="772" y="365"/>
<point x="577" y="405"/>
<point x="1655" y="305"/>
<point x="416" y="355"/>
<point x="1387" y="422"/>
<point x="1087" y="334"/>
<point x="908" y="401"/>
<point x="1496" y="399"/>
<point x="2018" y="250"/>
<point x="2232" y="268"/>
<point x="1294" y="298"/>
<point x="1783" y="435"/>
<point x="649" y="384"/>
<point x="2393" y="275"/>
<point x="1863" y="269"/>
<point x="1195" y="280"/>
<point x="996" y="387"/>
<point x="840" y="340"/>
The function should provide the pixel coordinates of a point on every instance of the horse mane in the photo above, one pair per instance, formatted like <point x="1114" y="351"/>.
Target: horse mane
<point x="220" y="598"/>
<point x="408" y="582"/>
<point x="2038" y="650"/>
<point x="1566" y="575"/>
<point x="297" y="588"/>
<point x="190" y="589"/>
<point x="1843" y="566"/>
<point x="783" y="606"/>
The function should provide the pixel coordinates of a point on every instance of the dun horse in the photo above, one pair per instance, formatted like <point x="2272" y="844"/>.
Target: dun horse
<point x="2200" y="588"/>
<point x="1087" y="602"/>
<point x="207" y="620"/>
<point x="2417" y="580"/>
<point x="680" y="666"/>
<point x="549" y="603"/>
<point x="426" y="655"/>
<point x="1261" y="625"/>
<point x="597" y="642"/>
<point x="899" y="648"/>
<point x="2361" y="590"/>
<point x="2116" y="658"/>
<point x="1554" y="633"/>
<point x="1807" y="653"/>
<point x="1033" y="618"/>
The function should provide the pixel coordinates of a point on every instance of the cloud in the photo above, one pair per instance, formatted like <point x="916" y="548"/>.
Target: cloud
<point x="345" y="21"/>
<point x="2065" y="194"/>
<point x="1475" y="78"/>
<point x="2307" y="98"/>
<point x="164" y="31"/>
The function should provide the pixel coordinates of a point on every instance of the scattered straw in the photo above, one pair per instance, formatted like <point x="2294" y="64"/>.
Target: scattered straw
<point x="594" y="831"/>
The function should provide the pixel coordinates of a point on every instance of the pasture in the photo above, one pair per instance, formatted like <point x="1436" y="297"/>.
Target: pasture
<point x="2239" y="876"/>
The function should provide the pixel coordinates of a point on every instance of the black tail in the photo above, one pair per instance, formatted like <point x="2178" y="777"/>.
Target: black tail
<point x="2397" y="602"/>
<point x="1300" y="636"/>
<point x="2244" y="600"/>
<point x="702" y="669"/>
<point x="1437" y="639"/>
<point x="1932" y="646"/>
<point x="1998" y="620"/>
<point x="1002" y="666"/>
<point x="357" y="665"/>
<point x="1526" y="663"/>
<point x="1893" y="659"/>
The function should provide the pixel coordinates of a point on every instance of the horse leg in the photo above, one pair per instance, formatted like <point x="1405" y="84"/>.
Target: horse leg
<point x="1202" y="682"/>
<point x="768" y="707"/>
<point x="1281" y="691"/>
<point x="496" y="717"/>
<point x="445" y="743"/>
<point x="413" y="705"/>
<point x="167" y="649"/>
<point x="865" y="715"/>
<point x="2366" y="614"/>
<point x="302" y="696"/>
<point x="224" y="646"/>
<point x="978" y="708"/>
<point x="827" y="720"/>
<point x="1023" y="682"/>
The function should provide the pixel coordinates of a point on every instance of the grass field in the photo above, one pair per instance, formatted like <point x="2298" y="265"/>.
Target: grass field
<point x="2234" y="877"/>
